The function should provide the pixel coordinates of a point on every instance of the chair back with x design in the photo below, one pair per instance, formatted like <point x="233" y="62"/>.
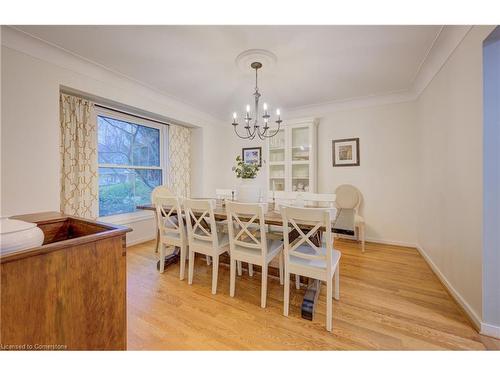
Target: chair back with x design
<point x="243" y="219"/>
<point x="200" y="221"/>
<point x="169" y="217"/>
<point x="307" y="222"/>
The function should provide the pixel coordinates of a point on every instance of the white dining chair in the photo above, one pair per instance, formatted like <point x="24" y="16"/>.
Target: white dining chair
<point x="250" y="245"/>
<point x="303" y="257"/>
<point x="286" y="198"/>
<point x="349" y="197"/>
<point x="203" y="236"/>
<point x="172" y="230"/>
<point x="163" y="191"/>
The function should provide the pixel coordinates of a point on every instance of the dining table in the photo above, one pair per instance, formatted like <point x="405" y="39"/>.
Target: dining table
<point x="343" y="223"/>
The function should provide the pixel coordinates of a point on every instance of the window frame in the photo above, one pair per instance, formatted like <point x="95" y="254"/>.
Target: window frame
<point x="128" y="217"/>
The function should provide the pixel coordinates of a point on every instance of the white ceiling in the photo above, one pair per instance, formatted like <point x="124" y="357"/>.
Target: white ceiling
<point x="195" y="64"/>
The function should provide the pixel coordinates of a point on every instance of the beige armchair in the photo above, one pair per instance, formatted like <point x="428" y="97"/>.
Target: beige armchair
<point x="349" y="197"/>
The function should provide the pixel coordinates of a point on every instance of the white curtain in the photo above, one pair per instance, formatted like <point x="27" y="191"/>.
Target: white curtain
<point x="179" y="160"/>
<point x="79" y="181"/>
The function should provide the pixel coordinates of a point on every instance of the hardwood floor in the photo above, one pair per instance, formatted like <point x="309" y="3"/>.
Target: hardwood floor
<point x="389" y="299"/>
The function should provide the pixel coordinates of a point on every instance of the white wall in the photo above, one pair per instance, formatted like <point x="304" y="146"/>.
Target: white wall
<point x="32" y="75"/>
<point x="450" y="192"/>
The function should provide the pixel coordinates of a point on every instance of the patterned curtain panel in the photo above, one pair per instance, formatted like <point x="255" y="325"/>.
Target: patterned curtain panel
<point x="179" y="160"/>
<point x="79" y="182"/>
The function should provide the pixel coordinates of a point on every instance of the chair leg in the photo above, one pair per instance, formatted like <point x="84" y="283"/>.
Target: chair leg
<point x="297" y="282"/>
<point x="362" y="230"/>
<point x="157" y="240"/>
<point x="215" y="273"/>
<point x="208" y="259"/>
<point x="329" y="305"/>
<point x="191" y="267"/>
<point x="250" y="269"/>
<point x="337" y="283"/>
<point x="162" y="257"/>
<point x="280" y="259"/>
<point x="286" y="297"/>
<point x="263" y="293"/>
<point x="183" y="262"/>
<point x="240" y="269"/>
<point x="232" y="277"/>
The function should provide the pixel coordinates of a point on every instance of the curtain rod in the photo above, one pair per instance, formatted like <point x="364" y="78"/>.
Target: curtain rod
<point x="130" y="114"/>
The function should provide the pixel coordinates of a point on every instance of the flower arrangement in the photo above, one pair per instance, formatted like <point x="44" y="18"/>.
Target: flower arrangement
<point x="244" y="170"/>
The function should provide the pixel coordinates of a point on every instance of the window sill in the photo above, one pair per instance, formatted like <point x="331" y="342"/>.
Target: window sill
<point x="128" y="218"/>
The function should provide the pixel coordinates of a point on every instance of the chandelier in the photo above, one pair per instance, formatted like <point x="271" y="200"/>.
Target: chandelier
<point x="262" y="131"/>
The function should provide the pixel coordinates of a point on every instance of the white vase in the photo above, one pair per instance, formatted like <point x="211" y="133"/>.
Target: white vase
<point x="248" y="191"/>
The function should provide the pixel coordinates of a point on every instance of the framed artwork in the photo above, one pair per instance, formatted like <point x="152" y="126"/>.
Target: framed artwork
<point x="252" y="155"/>
<point x="345" y="152"/>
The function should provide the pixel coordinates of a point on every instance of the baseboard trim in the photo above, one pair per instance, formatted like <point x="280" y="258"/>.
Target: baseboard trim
<point x="469" y="312"/>
<point x="490" y="330"/>
<point x="391" y="242"/>
<point x="140" y="240"/>
<point x="379" y="240"/>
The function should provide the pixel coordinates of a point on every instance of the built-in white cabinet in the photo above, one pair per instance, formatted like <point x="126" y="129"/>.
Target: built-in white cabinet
<point x="292" y="158"/>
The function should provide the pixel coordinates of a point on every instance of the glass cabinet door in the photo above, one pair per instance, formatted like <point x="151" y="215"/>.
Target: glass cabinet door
<point x="300" y="155"/>
<point x="277" y="162"/>
<point x="277" y="147"/>
<point x="301" y="144"/>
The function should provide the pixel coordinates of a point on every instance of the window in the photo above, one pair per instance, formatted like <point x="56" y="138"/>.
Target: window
<point x="131" y="165"/>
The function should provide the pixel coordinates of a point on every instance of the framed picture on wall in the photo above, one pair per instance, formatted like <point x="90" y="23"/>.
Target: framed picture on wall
<point x="345" y="152"/>
<point x="252" y="155"/>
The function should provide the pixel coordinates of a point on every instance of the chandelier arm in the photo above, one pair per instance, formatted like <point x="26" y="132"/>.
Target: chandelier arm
<point x="236" y="131"/>
<point x="251" y="134"/>
<point x="273" y="134"/>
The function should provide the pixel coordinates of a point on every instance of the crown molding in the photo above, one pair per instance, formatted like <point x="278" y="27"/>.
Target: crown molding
<point x="322" y="109"/>
<point x="443" y="46"/>
<point x="448" y="39"/>
<point x="40" y="49"/>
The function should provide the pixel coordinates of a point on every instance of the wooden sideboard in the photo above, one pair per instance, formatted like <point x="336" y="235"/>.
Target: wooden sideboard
<point x="69" y="293"/>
